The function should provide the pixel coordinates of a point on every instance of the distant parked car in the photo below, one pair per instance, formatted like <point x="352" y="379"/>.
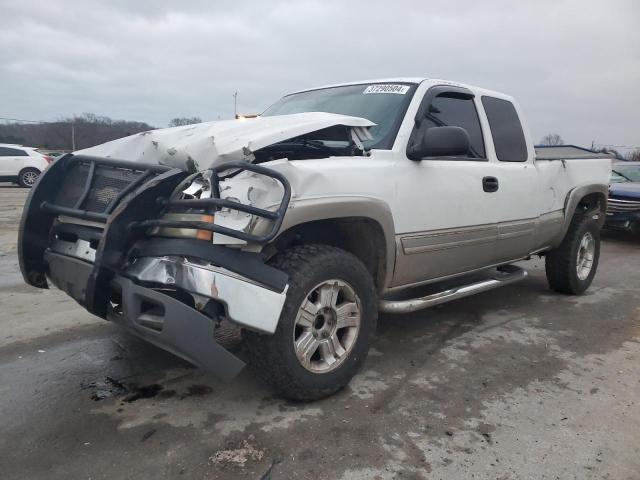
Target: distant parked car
<point x="21" y="165"/>
<point x="623" y="211"/>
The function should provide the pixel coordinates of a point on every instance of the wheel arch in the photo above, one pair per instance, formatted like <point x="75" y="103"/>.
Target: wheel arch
<point x="591" y="199"/>
<point x="362" y="226"/>
<point x="29" y="167"/>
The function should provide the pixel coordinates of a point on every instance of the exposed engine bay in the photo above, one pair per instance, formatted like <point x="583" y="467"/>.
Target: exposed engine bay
<point x="328" y="142"/>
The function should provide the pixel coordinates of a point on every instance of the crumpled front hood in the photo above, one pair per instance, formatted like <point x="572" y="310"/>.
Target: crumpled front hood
<point x="204" y="145"/>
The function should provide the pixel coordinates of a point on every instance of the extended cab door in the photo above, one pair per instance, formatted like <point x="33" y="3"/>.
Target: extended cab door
<point x="519" y="199"/>
<point x="446" y="207"/>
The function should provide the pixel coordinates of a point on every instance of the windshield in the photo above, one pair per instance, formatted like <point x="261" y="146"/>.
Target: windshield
<point x="625" y="173"/>
<point x="383" y="104"/>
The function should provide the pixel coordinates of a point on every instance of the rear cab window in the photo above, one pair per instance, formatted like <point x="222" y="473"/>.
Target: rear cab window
<point x="508" y="137"/>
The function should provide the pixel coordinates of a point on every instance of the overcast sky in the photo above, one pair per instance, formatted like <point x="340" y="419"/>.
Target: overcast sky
<point x="574" y="66"/>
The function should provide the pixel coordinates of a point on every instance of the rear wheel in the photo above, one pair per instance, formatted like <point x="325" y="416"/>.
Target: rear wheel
<point x="571" y="267"/>
<point x="27" y="177"/>
<point x="325" y="327"/>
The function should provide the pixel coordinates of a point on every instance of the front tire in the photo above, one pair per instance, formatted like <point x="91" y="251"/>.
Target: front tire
<point x="326" y="325"/>
<point x="27" y="177"/>
<point x="571" y="267"/>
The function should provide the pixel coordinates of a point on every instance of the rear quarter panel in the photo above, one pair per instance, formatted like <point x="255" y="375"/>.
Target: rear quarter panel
<point x="34" y="160"/>
<point x="563" y="184"/>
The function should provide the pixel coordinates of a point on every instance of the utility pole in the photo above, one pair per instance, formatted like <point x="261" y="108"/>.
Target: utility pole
<point x="235" y="105"/>
<point x="73" y="137"/>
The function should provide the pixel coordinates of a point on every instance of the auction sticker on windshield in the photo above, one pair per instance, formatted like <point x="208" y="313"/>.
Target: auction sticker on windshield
<point x="399" y="89"/>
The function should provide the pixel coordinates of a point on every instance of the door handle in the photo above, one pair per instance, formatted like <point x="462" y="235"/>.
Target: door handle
<point x="490" y="184"/>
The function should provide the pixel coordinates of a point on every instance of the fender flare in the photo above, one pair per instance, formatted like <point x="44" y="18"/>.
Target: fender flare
<point x="307" y="210"/>
<point x="571" y="204"/>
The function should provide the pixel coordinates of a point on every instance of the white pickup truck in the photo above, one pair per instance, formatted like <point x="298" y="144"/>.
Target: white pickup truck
<point x="301" y="224"/>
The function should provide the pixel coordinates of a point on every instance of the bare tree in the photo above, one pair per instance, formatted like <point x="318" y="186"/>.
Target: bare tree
<point x="611" y="151"/>
<point x="180" y="121"/>
<point x="633" y="156"/>
<point x="89" y="130"/>
<point x="552" y="140"/>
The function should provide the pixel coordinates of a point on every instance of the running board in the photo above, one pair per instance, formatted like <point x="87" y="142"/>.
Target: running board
<point x="503" y="276"/>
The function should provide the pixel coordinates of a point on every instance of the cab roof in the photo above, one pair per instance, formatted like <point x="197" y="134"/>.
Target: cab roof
<point x="411" y="80"/>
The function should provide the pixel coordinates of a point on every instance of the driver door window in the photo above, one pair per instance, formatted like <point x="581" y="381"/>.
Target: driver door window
<point x="455" y="111"/>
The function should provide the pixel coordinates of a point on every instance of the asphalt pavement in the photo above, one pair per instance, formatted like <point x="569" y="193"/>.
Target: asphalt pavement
<point x="516" y="383"/>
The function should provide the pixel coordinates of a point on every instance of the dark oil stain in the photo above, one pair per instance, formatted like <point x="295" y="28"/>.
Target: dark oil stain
<point x="197" y="391"/>
<point x="146" y="391"/>
<point x="110" y="387"/>
<point x="167" y="394"/>
<point x="147" y="435"/>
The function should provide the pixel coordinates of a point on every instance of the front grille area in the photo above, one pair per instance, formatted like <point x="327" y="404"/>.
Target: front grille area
<point x="73" y="185"/>
<point x="107" y="183"/>
<point x="616" y="205"/>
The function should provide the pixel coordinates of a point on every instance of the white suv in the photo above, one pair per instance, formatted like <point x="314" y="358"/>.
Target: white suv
<point x="21" y="165"/>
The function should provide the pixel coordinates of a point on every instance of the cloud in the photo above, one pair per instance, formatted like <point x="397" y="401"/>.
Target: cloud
<point x="573" y="65"/>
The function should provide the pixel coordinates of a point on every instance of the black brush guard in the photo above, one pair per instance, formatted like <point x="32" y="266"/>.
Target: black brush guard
<point x="206" y="205"/>
<point x="128" y="198"/>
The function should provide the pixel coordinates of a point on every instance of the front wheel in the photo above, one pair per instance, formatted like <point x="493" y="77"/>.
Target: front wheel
<point x="571" y="267"/>
<point x="326" y="324"/>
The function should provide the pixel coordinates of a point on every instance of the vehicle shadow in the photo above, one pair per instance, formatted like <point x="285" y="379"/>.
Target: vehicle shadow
<point x="619" y="236"/>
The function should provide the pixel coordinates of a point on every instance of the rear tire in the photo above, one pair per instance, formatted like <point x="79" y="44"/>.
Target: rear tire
<point x="27" y="177"/>
<point x="316" y="350"/>
<point x="571" y="267"/>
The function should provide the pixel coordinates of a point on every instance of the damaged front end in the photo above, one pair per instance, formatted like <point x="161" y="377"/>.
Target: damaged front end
<point x="116" y="237"/>
<point x="162" y="232"/>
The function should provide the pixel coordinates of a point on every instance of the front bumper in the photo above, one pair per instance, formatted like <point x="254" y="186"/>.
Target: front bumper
<point x="138" y="304"/>
<point x="246" y="302"/>
<point x="172" y="326"/>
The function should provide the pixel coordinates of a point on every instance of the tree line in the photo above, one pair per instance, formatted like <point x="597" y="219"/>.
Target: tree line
<point x="77" y="132"/>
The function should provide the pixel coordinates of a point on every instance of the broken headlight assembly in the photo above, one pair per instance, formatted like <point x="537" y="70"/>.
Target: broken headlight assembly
<point x="197" y="206"/>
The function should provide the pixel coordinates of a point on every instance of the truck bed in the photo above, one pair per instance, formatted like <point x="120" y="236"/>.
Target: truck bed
<point x="567" y="152"/>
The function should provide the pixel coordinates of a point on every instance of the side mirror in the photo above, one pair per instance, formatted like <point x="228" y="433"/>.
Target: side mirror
<point x="441" y="142"/>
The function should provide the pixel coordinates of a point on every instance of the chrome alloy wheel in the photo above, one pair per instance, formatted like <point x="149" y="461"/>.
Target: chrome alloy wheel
<point x="586" y="254"/>
<point x="327" y="326"/>
<point x="29" y="178"/>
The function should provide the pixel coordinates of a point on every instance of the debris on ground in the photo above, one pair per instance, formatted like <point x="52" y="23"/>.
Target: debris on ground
<point x="237" y="457"/>
<point x="107" y="388"/>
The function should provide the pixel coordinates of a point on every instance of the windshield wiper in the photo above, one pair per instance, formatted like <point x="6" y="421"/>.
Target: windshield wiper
<point x="622" y="175"/>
